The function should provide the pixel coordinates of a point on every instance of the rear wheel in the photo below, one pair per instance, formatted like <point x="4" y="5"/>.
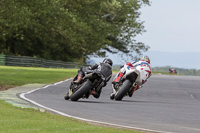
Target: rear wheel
<point x="123" y="90"/>
<point x="81" y="91"/>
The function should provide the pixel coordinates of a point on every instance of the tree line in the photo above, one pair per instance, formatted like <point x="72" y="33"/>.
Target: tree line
<point x="70" y="30"/>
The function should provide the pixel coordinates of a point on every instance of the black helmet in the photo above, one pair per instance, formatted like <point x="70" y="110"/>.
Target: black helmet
<point x="108" y="61"/>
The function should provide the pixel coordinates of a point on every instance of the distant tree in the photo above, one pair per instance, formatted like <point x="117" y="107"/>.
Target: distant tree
<point x="70" y="30"/>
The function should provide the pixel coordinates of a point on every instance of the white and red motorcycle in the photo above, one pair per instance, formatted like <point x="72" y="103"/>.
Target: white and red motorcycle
<point x="134" y="76"/>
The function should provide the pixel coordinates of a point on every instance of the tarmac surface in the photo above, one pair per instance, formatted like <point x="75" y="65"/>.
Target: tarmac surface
<point x="165" y="104"/>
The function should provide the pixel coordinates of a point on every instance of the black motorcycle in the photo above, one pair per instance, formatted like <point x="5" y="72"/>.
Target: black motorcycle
<point x="93" y="80"/>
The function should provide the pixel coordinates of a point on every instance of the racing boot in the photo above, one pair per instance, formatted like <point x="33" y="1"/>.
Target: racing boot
<point x="67" y="96"/>
<point x="79" y="78"/>
<point x="112" y="96"/>
<point x="118" y="78"/>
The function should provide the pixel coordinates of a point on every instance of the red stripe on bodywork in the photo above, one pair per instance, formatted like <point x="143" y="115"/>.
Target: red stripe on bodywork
<point x="148" y="72"/>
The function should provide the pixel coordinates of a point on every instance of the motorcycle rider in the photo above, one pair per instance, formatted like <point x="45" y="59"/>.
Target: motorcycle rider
<point x="132" y="64"/>
<point x="107" y="62"/>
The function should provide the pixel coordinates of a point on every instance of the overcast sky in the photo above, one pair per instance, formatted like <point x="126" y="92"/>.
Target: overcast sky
<point x="172" y="32"/>
<point x="172" y="24"/>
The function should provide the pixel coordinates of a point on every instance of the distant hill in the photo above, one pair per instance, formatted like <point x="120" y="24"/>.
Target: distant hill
<point x="165" y="69"/>
<point x="180" y="71"/>
<point x="186" y="60"/>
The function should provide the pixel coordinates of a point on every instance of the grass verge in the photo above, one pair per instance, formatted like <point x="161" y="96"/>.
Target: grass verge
<point x="15" y="119"/>
<point x="27" y="75"/>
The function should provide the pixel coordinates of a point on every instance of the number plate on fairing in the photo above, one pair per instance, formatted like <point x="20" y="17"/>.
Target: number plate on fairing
<point x="70" y="92"/>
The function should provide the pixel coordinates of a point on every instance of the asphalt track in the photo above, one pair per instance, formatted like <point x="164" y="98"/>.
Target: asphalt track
<point x="164" y="104"/>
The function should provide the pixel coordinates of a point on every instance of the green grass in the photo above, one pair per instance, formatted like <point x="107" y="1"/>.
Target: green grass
<point x="26" y="75"/>
<point x="18" y="120"/>
<point x="15" y="119"/>
<point x="165" y="73"/>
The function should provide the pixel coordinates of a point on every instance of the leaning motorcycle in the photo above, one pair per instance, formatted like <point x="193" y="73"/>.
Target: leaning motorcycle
<point x="93" y="79"/>
<point x="134" y="76"/>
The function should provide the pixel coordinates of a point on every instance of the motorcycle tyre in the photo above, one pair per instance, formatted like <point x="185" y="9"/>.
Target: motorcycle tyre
<point x="81" y="91"/>
<point x="123" y="91"/>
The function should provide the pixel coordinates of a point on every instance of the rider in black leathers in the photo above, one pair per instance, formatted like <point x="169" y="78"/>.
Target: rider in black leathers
<point x="105" y="68"/>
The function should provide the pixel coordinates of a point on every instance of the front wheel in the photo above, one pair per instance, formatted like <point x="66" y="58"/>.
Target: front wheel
<point x="123" y="90"/>
<point x="81" y="91"/>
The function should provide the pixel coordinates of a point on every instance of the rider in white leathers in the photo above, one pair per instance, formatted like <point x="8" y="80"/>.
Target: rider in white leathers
<point x="144" y="59"/>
